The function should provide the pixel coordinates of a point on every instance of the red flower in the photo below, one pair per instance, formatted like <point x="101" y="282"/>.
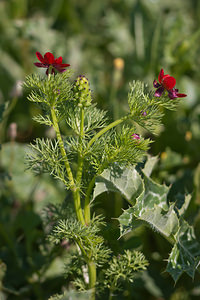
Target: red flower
<point x="51" y="63"/>
<point x="166" y="82"/>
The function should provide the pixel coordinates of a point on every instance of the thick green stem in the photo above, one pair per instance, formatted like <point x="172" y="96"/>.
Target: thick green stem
<point x="104" y="130"/>
<point x="77" y="195"/>
<point x="78" y="208"/>
<point x="91" y="265"/>
<point x="73" y="188"/>
<point x="92" y="278"/>
<point x="87" y="201"/>
<point x="80" y="158"/>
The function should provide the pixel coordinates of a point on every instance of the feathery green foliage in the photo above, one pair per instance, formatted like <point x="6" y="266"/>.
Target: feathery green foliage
<point x="147" y="110"/>
<point x="96" y="156"/>
<point x="124" y="268"/>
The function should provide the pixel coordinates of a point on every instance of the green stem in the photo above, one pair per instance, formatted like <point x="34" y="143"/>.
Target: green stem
<point x="87" y="201"/>
<point x="104" y="130"/>
<point x="77" y="195"/>
<point x="111" y="292"/>
<point x="92" y="278"/>
<point x="80" y="158"/>
<point x="91" y="184"/>
<point x="73" y="188"/>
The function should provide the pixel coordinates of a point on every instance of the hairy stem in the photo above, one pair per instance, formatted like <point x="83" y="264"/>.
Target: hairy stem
<point x="77" y="202"/>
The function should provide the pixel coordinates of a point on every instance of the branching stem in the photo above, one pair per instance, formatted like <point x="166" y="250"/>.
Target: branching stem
<point x="91" y="184"/>
<point x="104" y="130"/>
<point x="76" y="196"/>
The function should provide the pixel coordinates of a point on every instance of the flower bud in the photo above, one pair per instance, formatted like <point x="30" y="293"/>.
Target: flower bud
<point x="82" y="92"/>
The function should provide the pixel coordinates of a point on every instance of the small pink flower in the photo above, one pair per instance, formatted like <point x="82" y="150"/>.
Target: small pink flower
<point x="136" y="136"/>
<point x="50" y="63"/>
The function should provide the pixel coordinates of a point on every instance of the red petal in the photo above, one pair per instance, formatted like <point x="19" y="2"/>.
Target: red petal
<point x="159" y="92"/>
<point x="161" y="75"/>
<point x="59" y="69"/>
<point x="156" y="84"/>
<point x="40" y="57"/>
<point x="49" y="58"/>
<point x="181" y="95"/>
<point x="168" y="82"/>
<point x="64" y="65"/>
<point x="58" y="60"/>
<point x="40" y="65"/>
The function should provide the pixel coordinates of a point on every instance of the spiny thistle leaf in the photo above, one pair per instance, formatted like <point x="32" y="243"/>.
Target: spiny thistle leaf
<point x="185" y="255"/>
<point x="164" y="222"/>
<point x="125" y="181"/>
<point x="149" y="165"/>
<point x="151" y="209"/>
<point x="154" y="194"/>
<point x="182" y="203"/>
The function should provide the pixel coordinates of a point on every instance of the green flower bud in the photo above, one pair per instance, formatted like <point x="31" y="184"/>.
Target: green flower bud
<point x="82" y="91"/>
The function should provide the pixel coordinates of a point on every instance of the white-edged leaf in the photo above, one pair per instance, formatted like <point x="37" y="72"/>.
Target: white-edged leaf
<point x="185" y="255"/>
<point x="125" y="181"/>
<point x="149" y="165"/>
<point x="154" y="195"/>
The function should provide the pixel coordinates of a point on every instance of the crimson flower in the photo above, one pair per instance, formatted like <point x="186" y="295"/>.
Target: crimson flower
<point x="166" y="82"/>
<point x="51" y="63"/>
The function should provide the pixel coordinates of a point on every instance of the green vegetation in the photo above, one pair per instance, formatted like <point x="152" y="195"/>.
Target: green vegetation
<point x="45" y="212"/>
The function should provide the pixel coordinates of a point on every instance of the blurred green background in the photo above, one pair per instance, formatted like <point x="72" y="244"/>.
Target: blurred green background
<point x="112" y="42"/>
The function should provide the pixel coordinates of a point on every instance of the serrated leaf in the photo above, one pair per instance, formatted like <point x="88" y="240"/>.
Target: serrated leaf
<point x="125" y="181"/>
<point x="182" y="203"/>
<point x="166" y="223"/>
<point x="154" y="195"/>
<point x="185" y="255"/>
<point x="128" y="221"/>
<point x="151" y="208"/>
<point x="149" y="165"/>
